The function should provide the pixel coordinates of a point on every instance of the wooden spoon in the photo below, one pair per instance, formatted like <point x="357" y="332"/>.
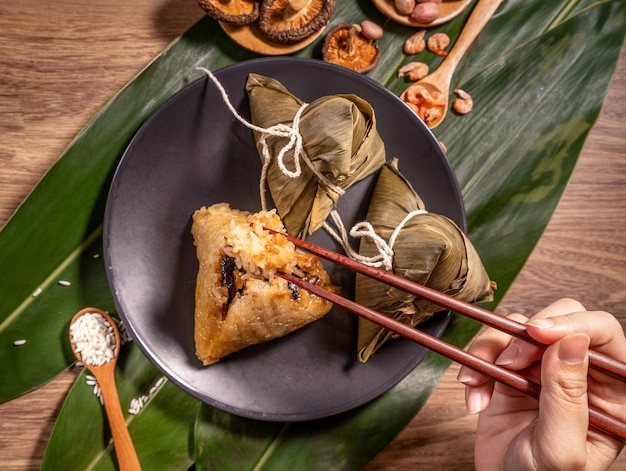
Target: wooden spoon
<point x="124" y="448"/>
<point x="439" y="80"/>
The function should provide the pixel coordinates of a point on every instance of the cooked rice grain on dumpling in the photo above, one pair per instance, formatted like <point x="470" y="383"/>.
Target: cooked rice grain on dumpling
<point x="239" y="300"/>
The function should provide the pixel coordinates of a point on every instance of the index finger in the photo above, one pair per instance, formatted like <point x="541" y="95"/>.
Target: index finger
<point x="520" y="354"/>
<point x="604" y="330"/>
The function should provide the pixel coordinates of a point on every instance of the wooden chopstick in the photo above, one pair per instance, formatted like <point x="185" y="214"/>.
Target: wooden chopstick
<point x="597" y="420"/>
<point x="426" y="340"/>
<point x="597" y="360"/>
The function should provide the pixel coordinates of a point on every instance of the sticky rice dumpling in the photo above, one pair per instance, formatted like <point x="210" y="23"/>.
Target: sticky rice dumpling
<point x="339" y="138"/>
<point x="430" y="249"/>
<point x="239" y="299"/>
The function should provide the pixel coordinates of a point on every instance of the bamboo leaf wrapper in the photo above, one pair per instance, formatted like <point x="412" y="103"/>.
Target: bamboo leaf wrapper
<point x="429" y="249"/>
<point x="339" y="137"/>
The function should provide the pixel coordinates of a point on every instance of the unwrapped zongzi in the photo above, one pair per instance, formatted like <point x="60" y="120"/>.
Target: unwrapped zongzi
<point x="240" y="301"/>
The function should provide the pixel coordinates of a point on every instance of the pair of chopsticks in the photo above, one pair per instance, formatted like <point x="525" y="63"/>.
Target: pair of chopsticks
<point x="601" y="362"/>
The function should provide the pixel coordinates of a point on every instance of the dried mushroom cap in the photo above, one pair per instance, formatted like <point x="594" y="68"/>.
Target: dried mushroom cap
<point x="290" y="21"/>
<point x="345" y="45"/>
<point x="236" y="12"/>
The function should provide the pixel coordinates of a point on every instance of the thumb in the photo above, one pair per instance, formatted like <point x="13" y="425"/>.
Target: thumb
<point x="563" y="409"/>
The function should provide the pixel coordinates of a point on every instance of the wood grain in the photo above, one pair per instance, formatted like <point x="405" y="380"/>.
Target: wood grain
<point x="60" y="63"/>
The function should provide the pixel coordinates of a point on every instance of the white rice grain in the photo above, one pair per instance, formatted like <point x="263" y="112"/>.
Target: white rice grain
<point x="95" y="387"/>
<point x="124" y="335"/>
<point x="17" y="343"/>
<point x="93" y="338"/>
<point x="64" y="283"/>
<point x="138" y="403"/>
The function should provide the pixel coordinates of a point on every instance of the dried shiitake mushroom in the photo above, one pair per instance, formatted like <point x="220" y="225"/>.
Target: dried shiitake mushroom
<point x="290" y="21"/>
<point x="236" y="12"/>
<point x="346" y="45"/>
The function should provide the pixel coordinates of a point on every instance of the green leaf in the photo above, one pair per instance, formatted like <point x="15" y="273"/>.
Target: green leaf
<point x="511" y="192"/>
<point x="81" y="438"/>
<point x="43" y="320"/>
<point x="538" y="74"/>
<point x="69" y="202"/>
<point x="227" y="442"/>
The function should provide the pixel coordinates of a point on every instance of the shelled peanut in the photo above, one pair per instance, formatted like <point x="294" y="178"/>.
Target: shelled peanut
<point x="422" y="11"/>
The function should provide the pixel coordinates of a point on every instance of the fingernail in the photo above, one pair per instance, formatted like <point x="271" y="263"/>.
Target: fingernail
<point x="541" y="323"/>
<point x="465" y="376"/>
<point x="475" y="402"/>
<point x="509" y="355"/>
<point x="573" y="348"/>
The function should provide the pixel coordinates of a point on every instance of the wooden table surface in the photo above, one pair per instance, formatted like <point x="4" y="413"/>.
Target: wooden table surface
<point x="60" y="62"/>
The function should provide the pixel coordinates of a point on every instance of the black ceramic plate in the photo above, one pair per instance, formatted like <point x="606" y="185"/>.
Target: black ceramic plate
<point x="192" y="152"/>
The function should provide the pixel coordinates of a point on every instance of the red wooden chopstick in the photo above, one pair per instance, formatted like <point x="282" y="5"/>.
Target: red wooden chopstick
<point x="597" y="360"/>
<point x="597" y="420"/>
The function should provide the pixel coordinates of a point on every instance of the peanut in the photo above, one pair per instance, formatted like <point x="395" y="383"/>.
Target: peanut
<point x="371" y="30"/>
<point x="426" y="12"/>
<point x="404" y="7"/>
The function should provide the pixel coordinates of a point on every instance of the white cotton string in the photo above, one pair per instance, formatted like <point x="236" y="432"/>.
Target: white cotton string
<point x="279" y="130"/>
<point x="342" y="238"/>
<point x="407" y="218"/>
<point x="295" y="138"/>
<point x="360" y="230"/>
<point x="363" y="229"/>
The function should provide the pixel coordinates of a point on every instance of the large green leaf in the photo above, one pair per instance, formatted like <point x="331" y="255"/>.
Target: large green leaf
<point x="538" y="74"/>
<point x="162" y="430"/>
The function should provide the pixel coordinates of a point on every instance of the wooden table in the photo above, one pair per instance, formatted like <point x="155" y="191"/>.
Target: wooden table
<point x="60" y="62"/>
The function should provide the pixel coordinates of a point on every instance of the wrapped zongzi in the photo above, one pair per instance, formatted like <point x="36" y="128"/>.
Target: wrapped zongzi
<point x="429" y="249"/>
<point x="339" y="140"/>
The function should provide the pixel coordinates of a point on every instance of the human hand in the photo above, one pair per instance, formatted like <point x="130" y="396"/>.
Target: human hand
<point x="516" y="432"/>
